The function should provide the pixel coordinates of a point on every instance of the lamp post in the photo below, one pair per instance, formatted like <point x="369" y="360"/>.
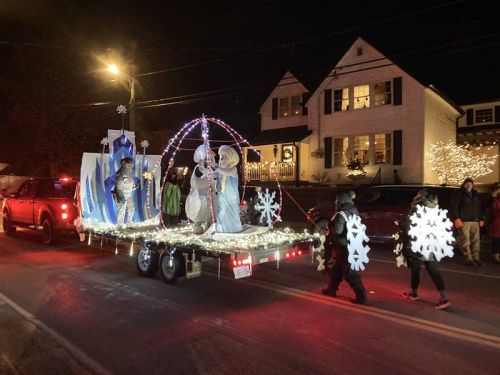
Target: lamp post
<point x="131" y="81"/>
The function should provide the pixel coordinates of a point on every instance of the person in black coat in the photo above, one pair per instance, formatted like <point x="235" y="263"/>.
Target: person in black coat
<point x="467" y="215"/>
<point x="336" y="252"/>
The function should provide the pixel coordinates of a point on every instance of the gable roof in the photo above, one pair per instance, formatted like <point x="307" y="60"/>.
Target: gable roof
<point x="288" y="79"/>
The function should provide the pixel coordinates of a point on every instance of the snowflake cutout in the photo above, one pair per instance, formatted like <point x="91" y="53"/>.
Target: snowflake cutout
<point x="431" y="232"/>
<point x="356" y="236"/>
<point x="121" y="109"/>
<point x="148" y="175"/>
<point x="144" y="144"/>
<point x="268" y="208"/>
<point x="105" y="141"/>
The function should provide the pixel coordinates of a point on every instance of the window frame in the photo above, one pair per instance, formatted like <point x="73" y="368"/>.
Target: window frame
<point x="386" y="95"/>
<point x="492" y="114"/>
<point x="387" y="149"/>
<point x="343" y="152"/>
<point x="366" y="151"/>
<point x="356" y="98"/>
<point x="343" y="100"/>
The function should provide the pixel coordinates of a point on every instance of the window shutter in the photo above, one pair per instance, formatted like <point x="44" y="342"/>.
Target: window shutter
<point x="397" y="84"/>
<point x="305" y="96"/>
<point x="275" y="109"/>
<point x="397" y="156"/>
<point x="470" y="116"/>
<point x="328" y="152"/>
<point x="328" y="102"/>
<point x="497" y="113"/>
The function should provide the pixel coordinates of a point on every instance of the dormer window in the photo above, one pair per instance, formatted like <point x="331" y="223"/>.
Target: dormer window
<point x="284" y="107"/>
<point x="483" y="115"/>
<point x="290" y="106"/>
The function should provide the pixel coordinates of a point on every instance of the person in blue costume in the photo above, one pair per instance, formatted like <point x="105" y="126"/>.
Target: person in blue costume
<point x="228" y="196"/>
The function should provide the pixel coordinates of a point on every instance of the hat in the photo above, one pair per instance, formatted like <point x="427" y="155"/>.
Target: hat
<point x="127" y="160"/>
<point x="468" y="179"/>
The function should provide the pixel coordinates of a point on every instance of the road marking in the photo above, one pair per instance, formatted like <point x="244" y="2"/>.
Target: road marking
<point x="410" y="321"/>
<point x="77" y="353"/>
<point x="444" y="269"/>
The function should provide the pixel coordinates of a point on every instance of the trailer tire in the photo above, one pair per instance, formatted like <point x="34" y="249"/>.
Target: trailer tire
<point x="172" y="267"/>
<point x="7" y="228"/>
<point x="147" y="262"/>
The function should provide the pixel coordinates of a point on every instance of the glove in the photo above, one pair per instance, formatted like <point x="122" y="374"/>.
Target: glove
<point x="481" y="223"/>
<point x="458" y="223"/>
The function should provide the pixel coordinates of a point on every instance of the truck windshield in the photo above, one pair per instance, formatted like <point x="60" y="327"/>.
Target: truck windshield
<point x="57" y="189"/>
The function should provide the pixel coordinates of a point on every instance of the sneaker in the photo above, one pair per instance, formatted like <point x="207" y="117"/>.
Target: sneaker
<point x="469" y="263"/>
<point x="478" y="263"/>
<point x="442" y="304"/>
<point x="411" y="295"/>
<point x="329" y="292"/>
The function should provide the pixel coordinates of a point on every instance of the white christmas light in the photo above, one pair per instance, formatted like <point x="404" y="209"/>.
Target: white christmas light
<point x="121" y="109"/>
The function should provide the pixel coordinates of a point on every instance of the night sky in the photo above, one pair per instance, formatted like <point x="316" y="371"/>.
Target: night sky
<point x="240" y="47"/>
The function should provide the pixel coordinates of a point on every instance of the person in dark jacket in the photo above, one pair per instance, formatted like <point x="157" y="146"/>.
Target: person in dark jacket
<point x="467" y="215"/>
<point x="494" y="224"/>
<point x="336" y="252"/>
<point x="415" y="260"/>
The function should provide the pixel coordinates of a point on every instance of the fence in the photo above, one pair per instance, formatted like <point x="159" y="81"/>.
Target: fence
<point x="269" y="171"/>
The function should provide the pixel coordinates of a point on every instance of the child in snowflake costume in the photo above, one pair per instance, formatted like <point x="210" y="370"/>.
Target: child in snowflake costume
<point x="416" y="259"/>
<point x="336" y="251"/>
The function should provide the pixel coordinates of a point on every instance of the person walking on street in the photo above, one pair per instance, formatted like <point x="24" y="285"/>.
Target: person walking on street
<point x="415" y="260"/>
<point x="467" y="216"/>
<point x="494" y="225"/>
<point x="336" y="251"/>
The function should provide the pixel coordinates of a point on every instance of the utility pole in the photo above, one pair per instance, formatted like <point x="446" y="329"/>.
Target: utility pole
<point x="131" y="103"/>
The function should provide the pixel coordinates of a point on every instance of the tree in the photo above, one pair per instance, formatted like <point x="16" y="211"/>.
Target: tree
<point x="454" y="163"/>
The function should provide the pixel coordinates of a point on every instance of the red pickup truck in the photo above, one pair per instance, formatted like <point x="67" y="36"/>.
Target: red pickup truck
<point x="41" y="203"/>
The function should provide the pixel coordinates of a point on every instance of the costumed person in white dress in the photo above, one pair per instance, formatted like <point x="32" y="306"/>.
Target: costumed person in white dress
<point x="124" y="192"/>
<point x="198" y="208"/>
<point x="228" y="196"/>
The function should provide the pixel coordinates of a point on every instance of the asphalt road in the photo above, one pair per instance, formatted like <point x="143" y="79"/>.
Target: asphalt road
<point x="80" y="309"/>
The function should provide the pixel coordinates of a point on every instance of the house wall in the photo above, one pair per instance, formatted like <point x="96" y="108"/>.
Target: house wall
<point x="408" y="117"/>
<point x="288" y="86"/>
<point x="439" y="125"/>
<point x="462" y="122"/>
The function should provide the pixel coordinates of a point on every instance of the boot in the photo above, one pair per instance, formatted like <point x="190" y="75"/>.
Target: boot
<point x="360" y="293"/>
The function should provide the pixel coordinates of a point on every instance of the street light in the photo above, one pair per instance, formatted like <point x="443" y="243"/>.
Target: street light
<point x="113" y="69"/>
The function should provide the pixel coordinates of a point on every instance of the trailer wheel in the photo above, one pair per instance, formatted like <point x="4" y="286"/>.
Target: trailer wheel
<point x="172" y="267"/>
<point x="147" y="262"/>
<point x="7" y="228"/>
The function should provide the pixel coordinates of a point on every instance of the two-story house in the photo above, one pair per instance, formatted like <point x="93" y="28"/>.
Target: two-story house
<point x="370" y="109"/>
<point x="480" y="129"/>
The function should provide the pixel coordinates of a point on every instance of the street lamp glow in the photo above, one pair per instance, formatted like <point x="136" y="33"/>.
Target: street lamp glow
<point x="113" y="69"/>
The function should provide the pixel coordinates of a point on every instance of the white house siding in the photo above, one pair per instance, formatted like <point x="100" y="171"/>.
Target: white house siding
<point x="440" y="125"/>
<point x="287" y="87"/>
<point x="408" y="117"/>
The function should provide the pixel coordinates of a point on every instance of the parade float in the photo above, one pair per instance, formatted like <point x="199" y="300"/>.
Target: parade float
<point x="123" y="194"/>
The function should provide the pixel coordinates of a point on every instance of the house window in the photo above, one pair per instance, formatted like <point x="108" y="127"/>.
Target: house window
<point x="284" y="107"/>
<point x="383" y="93"/>
<point x="382" y="148"/>
<point x="341" y="100"/>
<point x="295" y="105"/>
<point x="359" y="51"/>
<point x="483" y="115"/>
<point x="340" y="151"/>
<point x="360" y="148"/>
<point x="361" y="96"/>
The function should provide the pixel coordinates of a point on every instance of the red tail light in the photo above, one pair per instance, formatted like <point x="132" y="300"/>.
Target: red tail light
<point x="64" y="206"/>
<point x="64" y="215"/>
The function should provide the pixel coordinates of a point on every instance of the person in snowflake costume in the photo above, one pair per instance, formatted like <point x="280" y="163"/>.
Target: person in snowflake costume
<point x="198" y="208"/>
<point x="336" y="251"/>
<point x="416" y="259"/>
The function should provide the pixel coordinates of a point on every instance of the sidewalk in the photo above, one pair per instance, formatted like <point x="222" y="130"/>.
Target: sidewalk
<point x="25" y="349"/>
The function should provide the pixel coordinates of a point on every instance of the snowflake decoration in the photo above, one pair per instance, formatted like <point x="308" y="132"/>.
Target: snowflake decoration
<point x="121" y="109"/>
<point x="356" y="236"/>
<point x="431" y="232"/>
<point x="268" y="208"/>
<point x="105" y="141"/>
<point x="148" y="175"/>
<point x="144" y="144"/>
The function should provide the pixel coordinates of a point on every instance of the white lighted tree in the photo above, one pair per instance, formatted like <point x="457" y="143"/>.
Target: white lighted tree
<point x="453" y="163"/>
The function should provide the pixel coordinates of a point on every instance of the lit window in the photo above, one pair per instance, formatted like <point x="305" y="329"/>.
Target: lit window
<point x="361" y="96"/>
<point x="295" y="105"/>
<point x="340" y="151"/>
<point x="284" y="107"/>
<point x="483" y="115"/>
<point x="382" y="148"/>
<point x="383" y="93"/>
<point x="341" y="100"/>
<point x="360" y="148"/>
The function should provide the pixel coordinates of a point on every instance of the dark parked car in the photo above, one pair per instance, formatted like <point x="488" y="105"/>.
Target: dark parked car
<point x="41" y="203"/>
<point x="381" y="206"/>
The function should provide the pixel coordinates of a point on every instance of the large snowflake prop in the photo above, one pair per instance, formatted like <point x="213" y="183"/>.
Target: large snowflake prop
<point x="431" y="232"/>
<point x="356" y="236"/>
<point x="268" y="208"/>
